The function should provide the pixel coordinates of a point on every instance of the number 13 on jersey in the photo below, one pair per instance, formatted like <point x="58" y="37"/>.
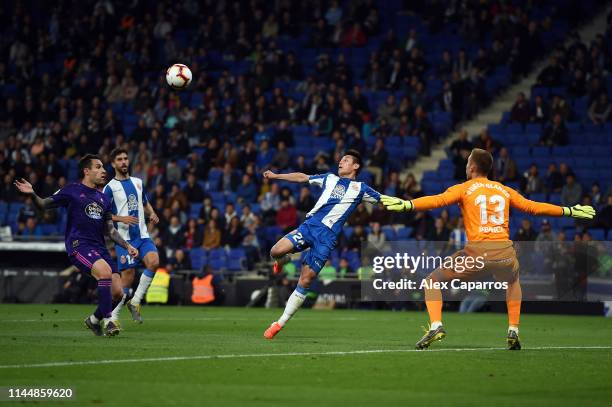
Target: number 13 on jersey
<point x="498" y="203"/>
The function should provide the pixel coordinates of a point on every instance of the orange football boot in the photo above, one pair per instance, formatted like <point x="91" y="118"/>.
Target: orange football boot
<point x="271" y="332"/>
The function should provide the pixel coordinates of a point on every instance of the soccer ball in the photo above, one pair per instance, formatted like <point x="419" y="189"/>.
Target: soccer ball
<point x="178" y="76"/>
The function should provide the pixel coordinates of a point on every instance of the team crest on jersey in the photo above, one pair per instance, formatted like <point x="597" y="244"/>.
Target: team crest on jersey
<point x="123" y="260"/>
<point x="338" y="192"/>
<point x="132" y="203"/>
<point x="94" y="211"/>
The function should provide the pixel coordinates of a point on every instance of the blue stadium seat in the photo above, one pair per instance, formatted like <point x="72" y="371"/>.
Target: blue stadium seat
<point x="236" y="260"/>
<point x="198" y="258"/>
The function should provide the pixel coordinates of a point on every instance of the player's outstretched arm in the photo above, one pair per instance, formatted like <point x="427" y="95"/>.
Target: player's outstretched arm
<point x="26" y="188"/>
<point x="299" y="177"/>
<point x="523" y="204"/>
<point x="116" y="237"/>
<point x="448" y="197"/>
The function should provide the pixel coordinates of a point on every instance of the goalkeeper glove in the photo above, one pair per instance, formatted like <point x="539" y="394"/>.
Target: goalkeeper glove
<point x="392" y="203"/>
<point x="579" y="211"/>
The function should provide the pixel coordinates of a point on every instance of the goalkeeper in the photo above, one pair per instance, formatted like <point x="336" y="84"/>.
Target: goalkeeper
<point x="485" y="207"/>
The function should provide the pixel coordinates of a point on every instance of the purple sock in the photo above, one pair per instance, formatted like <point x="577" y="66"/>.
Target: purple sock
<point x="105" y="300"/>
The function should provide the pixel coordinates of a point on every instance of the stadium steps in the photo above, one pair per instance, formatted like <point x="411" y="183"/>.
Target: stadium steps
<point x="502" y="103"/>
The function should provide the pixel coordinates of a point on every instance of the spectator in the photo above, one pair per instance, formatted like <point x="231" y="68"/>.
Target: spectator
<point x="27" y="211"/>
<point x="344" y="269"/>
<point x="174" y="236"/>
<point x="29" y="228"/>
<point x="193" y="236"/>
<point x="532" y="183"/>
<point x="286" y="216"/>
<point x="545" y="237"/>
<point x="554" y="179"/>
<point x="248" y="219"/>
<point x="599" y="112"/>
<point x="486" y="142"/>
<point x="357" y="238"/>
<point x="525" y="232"/>
<point x="556" y="134"/>
<point x="193" y="191"/>
<point x="230" y="213"/>
<point x="234" y="235"/>
<point x="281" y="157"/>
<point x="540" y="112"/>
<point x="505" y="167"/>
<point x="377" y="161"/>
<point x="229" y="179"/>
<point x="212" y="236"/>
<point x="247" y="192"/>
<point x="376" y="238"/>
<point x="520" y="112"/>
<point x="571" y="191"/>
<point x="181" y="261"/>
<point x="605" y="215"/>
<point x="439" y="233"/>
<point x="305" y="202"/>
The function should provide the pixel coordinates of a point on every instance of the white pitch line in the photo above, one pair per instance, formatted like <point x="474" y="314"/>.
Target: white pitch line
<point x="267" y="355"/>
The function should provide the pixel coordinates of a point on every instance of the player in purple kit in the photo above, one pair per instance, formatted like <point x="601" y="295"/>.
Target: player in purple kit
<point x="89" y="219"/>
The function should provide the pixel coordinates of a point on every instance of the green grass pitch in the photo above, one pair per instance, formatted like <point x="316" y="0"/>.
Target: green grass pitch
<point x="221" y="358"/>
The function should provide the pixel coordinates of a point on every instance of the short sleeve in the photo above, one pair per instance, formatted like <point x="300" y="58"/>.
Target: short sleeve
<point x="318" y="179"/>
<point x="108" y="191"/>
<point x="370" y="195"/>
<point x="62" y="197"/>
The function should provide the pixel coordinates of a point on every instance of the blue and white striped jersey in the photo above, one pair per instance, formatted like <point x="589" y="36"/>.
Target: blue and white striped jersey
<point x="338" y="200"/>
<point x="128" y="199"/>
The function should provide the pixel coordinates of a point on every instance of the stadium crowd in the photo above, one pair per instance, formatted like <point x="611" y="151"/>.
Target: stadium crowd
<point x="88" y="80"/>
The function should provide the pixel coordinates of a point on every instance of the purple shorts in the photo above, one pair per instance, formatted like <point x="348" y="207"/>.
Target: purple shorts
<point x="84" y="257"/>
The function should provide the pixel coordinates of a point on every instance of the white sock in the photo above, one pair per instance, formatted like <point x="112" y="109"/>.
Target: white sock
<point x="513" y="328"/>
<point x="294" y="302"/>
<point x="94" y="320"/>
<point x="143" y="286"/>
<point x="117" y="310"/>
<point x="435" y="325"/>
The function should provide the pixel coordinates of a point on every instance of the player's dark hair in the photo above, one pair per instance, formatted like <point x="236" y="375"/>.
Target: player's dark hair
<point x="116" y="152"/>
<point x="483" y="161"/>
<point x="356" y="158"/>
<point x="85" y="162"/>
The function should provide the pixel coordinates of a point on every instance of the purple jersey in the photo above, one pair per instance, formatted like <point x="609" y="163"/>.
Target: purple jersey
<point x="88" y="210"/>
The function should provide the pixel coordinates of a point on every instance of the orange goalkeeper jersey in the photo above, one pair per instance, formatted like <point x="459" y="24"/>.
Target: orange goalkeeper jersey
<point x="485" y="206"/>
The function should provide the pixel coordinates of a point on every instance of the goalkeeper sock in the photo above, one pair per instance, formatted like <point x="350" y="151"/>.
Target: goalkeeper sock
<point x="143" y="286"/>
<point x="435" y="325"/>
<point x="294" y="302"/>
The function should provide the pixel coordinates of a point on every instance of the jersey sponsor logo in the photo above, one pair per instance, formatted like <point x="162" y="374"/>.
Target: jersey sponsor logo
<point x="132" y="203"/>
<point x="94" y="211"/>
<point x="338" y="192"/>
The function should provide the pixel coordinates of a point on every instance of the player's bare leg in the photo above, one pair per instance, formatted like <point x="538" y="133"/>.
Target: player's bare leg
<point x="295" y="301"/>
<point x="102" y="272"/>
<point x="514" y="297"/>
<point x="433" y="301"/>
<point x="151" y="262"/>
<point x="127" y="277"/>
<point x="280" y="253"/>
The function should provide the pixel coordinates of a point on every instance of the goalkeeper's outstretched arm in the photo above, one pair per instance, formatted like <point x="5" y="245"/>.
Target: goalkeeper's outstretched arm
<point x="298" y="177"/>
<point x="523" y="204"/>
<point x="449" y="197"/>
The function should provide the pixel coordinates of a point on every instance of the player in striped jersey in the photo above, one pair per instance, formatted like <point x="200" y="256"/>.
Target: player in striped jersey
<point x="129" y="207"/>
<point x="319" y="232"/>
